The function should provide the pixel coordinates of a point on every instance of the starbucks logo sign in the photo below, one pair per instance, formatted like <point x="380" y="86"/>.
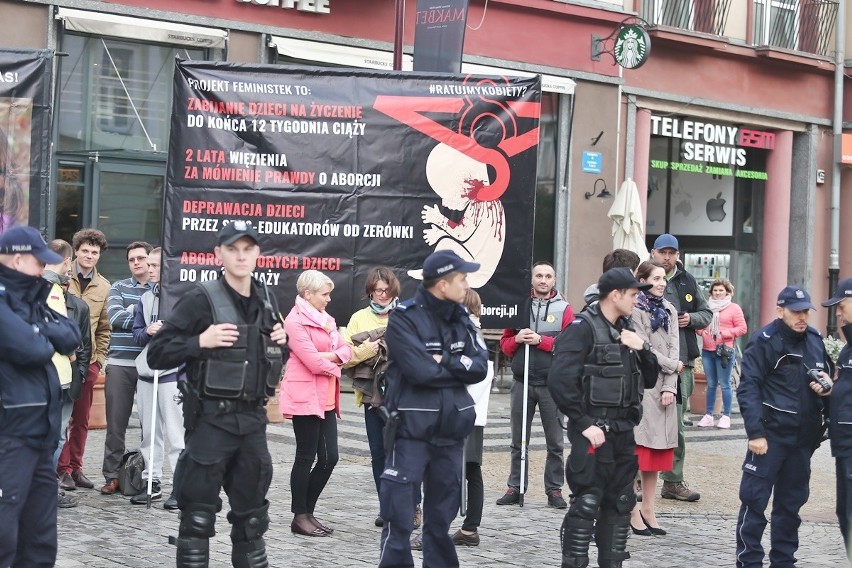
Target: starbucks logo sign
<point x="632" y="47"/>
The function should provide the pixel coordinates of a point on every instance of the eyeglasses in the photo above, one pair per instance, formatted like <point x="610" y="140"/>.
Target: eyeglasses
<point x="381" y="291"/>
<point x="133" y="259"/>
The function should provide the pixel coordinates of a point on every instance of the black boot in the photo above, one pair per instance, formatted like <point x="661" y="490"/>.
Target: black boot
<point x="192" y="552"/>
<point x="575" y="535"/>
<point x="611" y="538"/>
<point x="249" y="554"/>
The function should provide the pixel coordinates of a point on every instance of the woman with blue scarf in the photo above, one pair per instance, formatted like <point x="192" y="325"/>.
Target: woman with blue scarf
<point x="365" y="332"/>
<point x="655" y="320"/>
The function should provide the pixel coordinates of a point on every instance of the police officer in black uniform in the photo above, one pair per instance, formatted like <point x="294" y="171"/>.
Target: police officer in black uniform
<point x="840" y="426"/>
<point x="600" y="369"/>
<point x="780" y="398"/>
<point x="434" y="350"/>
<point x="228" y="334"/>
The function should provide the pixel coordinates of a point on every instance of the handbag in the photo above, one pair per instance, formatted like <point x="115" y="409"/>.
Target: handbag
<point x="725" y="354"/>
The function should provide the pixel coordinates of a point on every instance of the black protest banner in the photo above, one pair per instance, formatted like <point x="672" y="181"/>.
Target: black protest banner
<point x="24" y="136"/>
<point x="439" y="28"/>
<point x="342" y="170"/>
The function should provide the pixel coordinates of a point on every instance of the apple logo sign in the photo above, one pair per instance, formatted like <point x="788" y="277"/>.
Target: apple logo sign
<point x="716" y="208"/>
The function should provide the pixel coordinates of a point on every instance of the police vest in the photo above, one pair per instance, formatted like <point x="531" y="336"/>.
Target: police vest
<point x="251" y="368"/>
<point x="609" y="381"/>
<point x="545" y="319"/>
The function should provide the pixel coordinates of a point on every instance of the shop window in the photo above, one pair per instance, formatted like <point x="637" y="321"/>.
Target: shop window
<point x="130" y="208"/>
<point x="115" y="94"/>
<point x="70" y="206"/>
<point x="113" y="103"/>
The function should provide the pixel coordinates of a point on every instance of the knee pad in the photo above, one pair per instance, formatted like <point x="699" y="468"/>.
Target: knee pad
<point x="251" y="527"/>
<point x="191" y="552"/>
<point x="586" y="505"/>
<point x="626" y="499"/>
<point x="198" y="520"/>
<point x="249" y="554"/>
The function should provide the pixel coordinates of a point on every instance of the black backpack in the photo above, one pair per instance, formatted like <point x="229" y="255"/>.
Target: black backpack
<point x="130" y="473"/>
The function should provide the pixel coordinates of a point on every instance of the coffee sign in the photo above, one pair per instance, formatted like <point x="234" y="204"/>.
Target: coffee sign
<point x="632" y="47"/>
<point x="314" y="6"/>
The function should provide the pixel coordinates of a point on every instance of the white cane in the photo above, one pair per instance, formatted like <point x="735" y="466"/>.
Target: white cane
<point x="524" y="424"/>
<point x="152" y="436"/>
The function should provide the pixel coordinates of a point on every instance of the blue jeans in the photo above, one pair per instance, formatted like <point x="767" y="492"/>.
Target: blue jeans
<point x="717" y="375"/>
<point x="375" y="425"/>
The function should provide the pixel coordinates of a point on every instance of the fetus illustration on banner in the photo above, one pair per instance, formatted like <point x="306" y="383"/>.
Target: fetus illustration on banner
<point x="469" y="170"/>
<point x="473" y="228"/>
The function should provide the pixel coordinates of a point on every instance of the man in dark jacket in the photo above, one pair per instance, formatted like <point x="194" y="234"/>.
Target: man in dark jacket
<point x="600" y="370"/>
<point x="434" y="350"/>
<point x="692" y="313"/>
<point x="840" y="425"/>
<point x="76" y="367"/>
<point x="549" y="314"/>
<point x="783" y="411"/>
<point x="30" y="399"/>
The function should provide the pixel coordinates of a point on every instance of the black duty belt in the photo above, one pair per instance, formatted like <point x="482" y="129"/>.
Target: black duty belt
<point x="608" y="412"/>
<point x="225" y="406"/>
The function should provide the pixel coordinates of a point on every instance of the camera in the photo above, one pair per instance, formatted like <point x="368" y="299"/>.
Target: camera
<point x="815" y="377"/>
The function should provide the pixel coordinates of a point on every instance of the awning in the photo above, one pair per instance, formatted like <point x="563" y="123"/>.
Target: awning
<point x="364" y="58"/>
<point x="155" y="31"/>
<point x="549" y="83"/>
<point x="347" y="56"/>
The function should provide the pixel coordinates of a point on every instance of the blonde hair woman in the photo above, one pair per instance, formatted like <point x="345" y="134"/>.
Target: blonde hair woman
<point x="310" y="396"/>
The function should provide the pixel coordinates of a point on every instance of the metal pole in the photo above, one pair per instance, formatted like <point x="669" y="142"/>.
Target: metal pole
<point x="834" y="247"/>
<point x="399" y="28"/>
<point x="523" y="487"/>
<point x="152" y="436"/>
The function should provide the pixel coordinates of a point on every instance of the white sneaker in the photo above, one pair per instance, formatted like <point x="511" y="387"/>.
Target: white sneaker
<point x="708" y="422"/>
<point x="725" y="422"/>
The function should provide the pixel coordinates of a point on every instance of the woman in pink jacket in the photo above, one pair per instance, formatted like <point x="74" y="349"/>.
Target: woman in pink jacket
<point x="728" y="323"/>
<point x="310" y="395"/>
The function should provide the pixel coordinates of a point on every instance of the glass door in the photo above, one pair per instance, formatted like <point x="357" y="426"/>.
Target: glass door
<point x="128" y="206"/>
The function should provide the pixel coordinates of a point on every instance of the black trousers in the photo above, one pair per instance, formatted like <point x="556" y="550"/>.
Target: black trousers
<point x="27" y="505"/>
<point x="316" y="438"/>
<point x="214" y="459"/>
<point x="608" y="470"/>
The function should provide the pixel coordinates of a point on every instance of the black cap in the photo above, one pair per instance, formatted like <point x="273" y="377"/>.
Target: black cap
<point x="22" y="239"/>
<point x="795" y="299"/>
<point x="235" y="230"/>
<point x="619" y="279"/>
<point x="443" y="262"/>
<point x="844" y="290"/>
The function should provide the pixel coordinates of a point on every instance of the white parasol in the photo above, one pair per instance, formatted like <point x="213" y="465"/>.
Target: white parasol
<point x="628" y="230"/>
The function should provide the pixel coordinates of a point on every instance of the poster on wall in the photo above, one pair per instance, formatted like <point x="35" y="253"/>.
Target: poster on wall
<point x="343" y="170"/>
<point x="24" y="136"/>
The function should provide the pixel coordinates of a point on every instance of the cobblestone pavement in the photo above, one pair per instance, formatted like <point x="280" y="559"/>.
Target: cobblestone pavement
<point x="107" y="531"/>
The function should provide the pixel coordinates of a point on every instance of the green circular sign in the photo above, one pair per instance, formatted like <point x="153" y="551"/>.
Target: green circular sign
<point x="632" y="47"/>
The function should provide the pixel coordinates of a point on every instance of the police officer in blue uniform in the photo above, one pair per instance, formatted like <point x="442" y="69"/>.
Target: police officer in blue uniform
<point x="434" y="350"/>
<point x="30" y="399"/>
<point x="840" y="411"/>
<point x="228" y="334"/>
<point x="780" y="398"/>
<point x="599" y="372"/>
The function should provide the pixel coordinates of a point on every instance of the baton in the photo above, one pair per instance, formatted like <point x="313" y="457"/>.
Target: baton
<point x="153" y="437"/>
<point x="463" y="500"/>
<point x="524" y="424"/>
